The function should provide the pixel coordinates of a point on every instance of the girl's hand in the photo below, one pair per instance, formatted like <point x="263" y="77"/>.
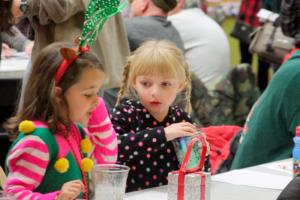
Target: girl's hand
<point x="70" y="190"/>
<point x="180" y="130"/>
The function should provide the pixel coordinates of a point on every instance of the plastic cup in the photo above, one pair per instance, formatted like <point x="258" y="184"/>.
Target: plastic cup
<point x="6" y="196"/>
<point x="110" y="181"/>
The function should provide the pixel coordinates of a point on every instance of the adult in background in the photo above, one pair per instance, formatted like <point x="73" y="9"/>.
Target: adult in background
<point x="62" y="20"/>
<point x="270" y="127"/>
<point x="148" y="20"/>
<point x="205" y="43"/>
<point x="14" y="39"/>
<point x="247" y="14"/>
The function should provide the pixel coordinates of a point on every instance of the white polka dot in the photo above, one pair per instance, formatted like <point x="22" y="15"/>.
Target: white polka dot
<point x="161" y="157"/>
<point x="148" y="169"/>
<point x="146" y="135"/>
<point x="132" y="181"/>
<point x="162" y="145"/>
<point x="131" y="157"/>
<point x="168" y="164"/>
<point x="141" y="162"/>
<point x="135" y="153"/>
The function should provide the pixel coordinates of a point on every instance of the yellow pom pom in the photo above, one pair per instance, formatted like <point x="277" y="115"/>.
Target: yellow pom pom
<point x="62" y="165"/>
<point x="26" y="127"/>
<point x="87" y="164"/>
<point x="85" y="145"/>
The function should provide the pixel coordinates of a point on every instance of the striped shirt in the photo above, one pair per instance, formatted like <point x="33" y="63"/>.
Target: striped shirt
<point x="28" y="160"/>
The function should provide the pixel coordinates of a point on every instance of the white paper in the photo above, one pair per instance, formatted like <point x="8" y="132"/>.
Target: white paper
<point x="13" y="65"/>
<point x="247" y="177"/>
<point x="149" y="195"/>
<point x="285" y="166"/>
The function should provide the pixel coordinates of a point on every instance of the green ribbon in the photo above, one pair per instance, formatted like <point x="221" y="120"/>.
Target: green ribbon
<point x="97" y="12"/>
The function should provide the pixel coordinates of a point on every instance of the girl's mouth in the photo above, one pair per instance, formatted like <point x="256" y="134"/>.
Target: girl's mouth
<point x="155" y="103"/>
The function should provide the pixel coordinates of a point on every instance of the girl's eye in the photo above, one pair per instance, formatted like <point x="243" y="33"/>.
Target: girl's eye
<point x="145" y="83"/>
<point x="88" y="95"/>
<point x="166" y="84"/>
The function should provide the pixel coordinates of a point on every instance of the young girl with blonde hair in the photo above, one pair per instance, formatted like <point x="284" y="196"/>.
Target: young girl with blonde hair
<point x="145" y="119"/>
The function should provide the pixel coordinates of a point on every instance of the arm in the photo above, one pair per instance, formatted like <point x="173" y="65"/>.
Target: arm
<point x="133" y="143"/>
<point x="102" y="135"/>
<point x="16" y="40"/>
<point x="27" y="164"/>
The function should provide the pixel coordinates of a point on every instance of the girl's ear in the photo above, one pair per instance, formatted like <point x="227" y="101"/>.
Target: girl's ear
<point x="67" y="53"/>
<point x="57" y="94"/>
<point x="145" y="5"/>
<point x="182" y="86"/>
<point x="133" y="85"/>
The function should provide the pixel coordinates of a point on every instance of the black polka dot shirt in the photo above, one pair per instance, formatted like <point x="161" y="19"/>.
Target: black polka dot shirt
<point x="142" y="144"/>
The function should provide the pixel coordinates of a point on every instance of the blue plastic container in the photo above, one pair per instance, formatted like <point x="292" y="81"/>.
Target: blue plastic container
<point x="296" y="152"/>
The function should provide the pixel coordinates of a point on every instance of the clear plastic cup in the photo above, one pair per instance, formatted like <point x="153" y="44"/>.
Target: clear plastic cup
<point x="110" y="181"/>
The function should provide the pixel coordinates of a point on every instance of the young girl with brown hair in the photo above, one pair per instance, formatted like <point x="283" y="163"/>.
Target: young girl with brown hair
<point x="51" y="157"/>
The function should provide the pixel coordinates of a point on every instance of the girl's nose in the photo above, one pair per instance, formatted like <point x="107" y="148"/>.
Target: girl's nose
<point x="154" y="91"/>
<point x="96" y="101"/>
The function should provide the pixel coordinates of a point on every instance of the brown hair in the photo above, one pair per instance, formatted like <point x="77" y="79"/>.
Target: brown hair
<point x="156" y="57"/>
<point x="39" y="92"/>
<point x="6" y="18"/>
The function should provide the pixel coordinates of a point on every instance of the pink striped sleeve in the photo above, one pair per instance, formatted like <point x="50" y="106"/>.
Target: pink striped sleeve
<point x="27" y="164"/>
<point x="102" y="135"/>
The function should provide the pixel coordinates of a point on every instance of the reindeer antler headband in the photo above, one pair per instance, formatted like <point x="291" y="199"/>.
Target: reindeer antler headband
<point x="96" y="14"/>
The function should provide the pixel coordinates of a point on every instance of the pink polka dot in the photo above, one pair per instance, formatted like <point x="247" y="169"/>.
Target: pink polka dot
<point x="169" y="150"/>
<point x="147" y="183"/>
<point x="129" y="119"/>
<point x="158" y="131"/>
<point x="121" y="156"/>
<point x="148" y="155"/>
<point x="127" y="147"/>
<point x="154" y="140"/>
<point x="154" y="123"/>
<point x="133" y="167"/>
<point x="141" y="144"/>
<point x="149" y="149"/>
<point x="154" y="177"/>
<point x="161" y="170"/>
<point x="132" y="138"/>
<point x="144" y="110"/>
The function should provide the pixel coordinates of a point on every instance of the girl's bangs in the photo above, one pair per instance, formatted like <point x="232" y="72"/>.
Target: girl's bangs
<point x="155" y="65"/>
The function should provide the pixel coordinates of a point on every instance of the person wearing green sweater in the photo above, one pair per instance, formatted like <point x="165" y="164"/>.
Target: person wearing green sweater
<point x="270" y="127"/>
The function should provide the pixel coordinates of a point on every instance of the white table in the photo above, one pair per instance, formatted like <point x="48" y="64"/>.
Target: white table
<point x="227" y="191"/>
<point x="14" y="67"/>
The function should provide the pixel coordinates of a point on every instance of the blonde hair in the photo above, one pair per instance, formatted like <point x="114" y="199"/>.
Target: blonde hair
<point x="156" y="57"/>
